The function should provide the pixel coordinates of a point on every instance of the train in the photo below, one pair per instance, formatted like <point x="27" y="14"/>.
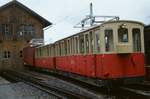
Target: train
<point x="109" y="52"/>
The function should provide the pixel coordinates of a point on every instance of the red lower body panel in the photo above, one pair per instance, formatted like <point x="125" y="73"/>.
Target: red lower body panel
<point x="80" y="64"/>
<point x="120" y="65"/>
<point x="45" y="62"/>
<point x="104" y="66"/>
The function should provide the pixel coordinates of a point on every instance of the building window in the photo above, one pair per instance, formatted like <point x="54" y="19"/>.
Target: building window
<point x="21" y="54"/>
<point x="6" y="54"/>
<point x="6" y="30"/>
<point x="26" y="30"/>
<point x="123" y="35"/>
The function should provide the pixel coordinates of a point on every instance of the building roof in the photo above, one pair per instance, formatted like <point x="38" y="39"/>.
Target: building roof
<point x="21" y="6"/>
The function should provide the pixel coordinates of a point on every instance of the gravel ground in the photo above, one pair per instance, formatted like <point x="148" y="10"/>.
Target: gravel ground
<point x="3" y="81"/>
<point x="22" y="91"/>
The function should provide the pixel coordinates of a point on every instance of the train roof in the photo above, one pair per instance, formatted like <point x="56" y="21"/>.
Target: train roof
<point x="108" y="22"/>
<point x="94" y="27"/>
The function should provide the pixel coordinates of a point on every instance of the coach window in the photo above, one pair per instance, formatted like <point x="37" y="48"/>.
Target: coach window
<point x="48" y="51"/>
<point x="62" y="48"/>
<point x="56" y="51"/>
<point x="68" y="46"/>
<point x="87" y="42"/>
<point x="38" y="54"/>
<point x="136" y="39"/>
<point x="57" y="46"/>
<point x="123" y="35"/>
<point x="40" y="51"/>
<point x="109" y="43"/>
<point x="51" y="51"/>
<point x="59" y="49"/>
<point x="73" y="45"/>
<point x="97" y="41"/>
<point x="91" y="42"/>
<point x="76" y="44"/>
<point x="81" y="43"/>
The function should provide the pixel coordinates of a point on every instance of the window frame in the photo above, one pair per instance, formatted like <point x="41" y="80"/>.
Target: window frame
<point x="112" y="34"/>
<point x="120" y="32"/>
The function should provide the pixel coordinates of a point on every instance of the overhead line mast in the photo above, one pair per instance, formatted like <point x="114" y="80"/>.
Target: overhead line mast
<point x="92" y="20"/>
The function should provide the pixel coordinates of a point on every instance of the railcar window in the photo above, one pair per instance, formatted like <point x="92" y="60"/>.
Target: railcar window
<point x="36" y="54"/>
<point x="62" y="47"/>
<point x="76" y="45"/>
<point x="51" y="51"/>
<point x="68" y="47"/>
<point x="91" y="42"/>
<point x="73" y="48"/>
<point x="136" y="39"/>
<point x="55" y="49"/>
<point x="40" y="51"/>
<point x="48" y="51"/>
<point x="97" y="39"/>
<point x="58" y="49"/>
<point x="87" y="43"/>
<point x="109" y="43"/>
<point x="123" y="35"/>
<point x="81" y="44"/>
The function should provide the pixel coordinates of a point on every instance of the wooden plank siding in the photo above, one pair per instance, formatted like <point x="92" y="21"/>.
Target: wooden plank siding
<point x="18" y="25"/>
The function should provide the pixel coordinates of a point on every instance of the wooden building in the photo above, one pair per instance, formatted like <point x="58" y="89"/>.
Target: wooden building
<point x="18" y="25"/>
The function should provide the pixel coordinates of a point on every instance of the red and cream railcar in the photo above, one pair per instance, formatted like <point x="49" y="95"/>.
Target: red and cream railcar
<point x="111" y="50"/>
<point x="44" y="57"/>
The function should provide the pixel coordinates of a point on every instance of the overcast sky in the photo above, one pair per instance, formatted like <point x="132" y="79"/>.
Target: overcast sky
<point x="64" y="14"/>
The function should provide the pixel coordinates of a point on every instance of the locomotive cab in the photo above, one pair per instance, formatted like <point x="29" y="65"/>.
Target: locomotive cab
<point x="123" y="45"/>
<point x="129" y="39"/>
<point x="123" y="38"/>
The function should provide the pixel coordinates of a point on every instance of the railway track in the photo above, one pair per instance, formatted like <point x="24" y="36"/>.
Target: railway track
<point x="52" y="85"/>
<point x="13" y="78"/>
<point x="133" y="91"/>
<point x="141" y="89"/>
<point x="136" y="91"/>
